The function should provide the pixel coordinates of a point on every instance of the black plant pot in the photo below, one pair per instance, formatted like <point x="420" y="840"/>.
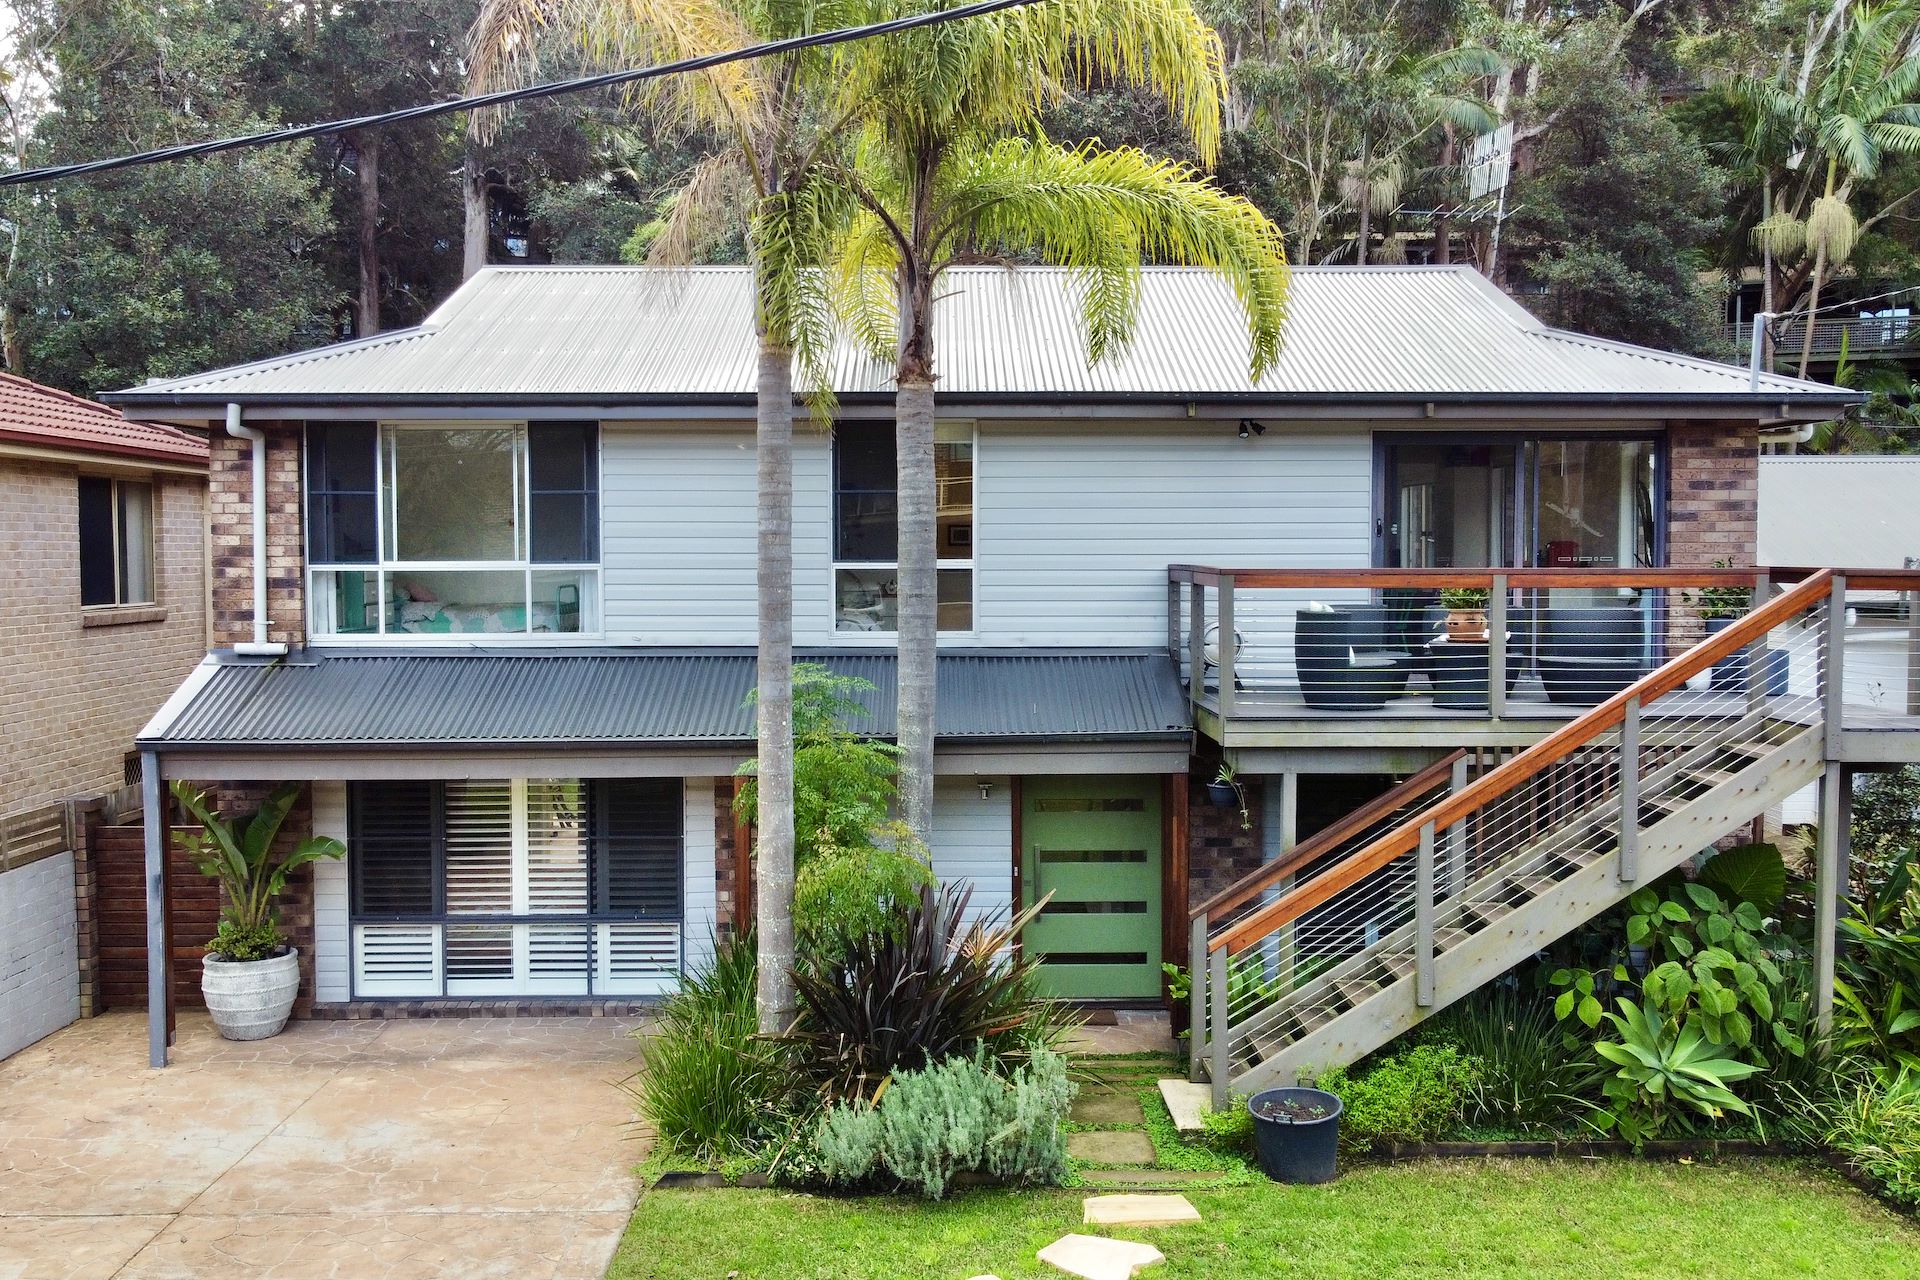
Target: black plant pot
<point x="1304" y="1150"/>
<point x="1730" y="673"/>
<point x="1222" y="794"/>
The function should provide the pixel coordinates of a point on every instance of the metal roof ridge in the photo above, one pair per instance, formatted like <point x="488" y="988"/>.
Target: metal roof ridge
<point x="292" y="359"/>
<point x="1680" y="359"/>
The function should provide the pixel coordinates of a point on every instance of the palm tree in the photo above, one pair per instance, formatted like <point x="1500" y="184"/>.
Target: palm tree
<point x="763" y="110"/>
<point x="1857" y="108"/>
<point x="950" y="166"/>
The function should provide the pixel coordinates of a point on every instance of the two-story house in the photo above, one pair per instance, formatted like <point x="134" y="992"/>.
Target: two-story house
<point x="102" y="611"/>
<point x="487" y="585"/>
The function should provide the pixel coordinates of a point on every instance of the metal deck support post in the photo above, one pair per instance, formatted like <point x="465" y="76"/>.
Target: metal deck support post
<point x="1830" y="872"/>
<point x="1629" y="860"/>
<point x="1286" y="952"/>
<point x="1222" y="1038"/>
<point x="1197" y="999"/>
<point x="1196" y="641"/>
<point x="1497" y="648"/>
<point x="1833" y="692"/>
<point x="159" y="955"/>
<point x="1173" y="619"/>
<point x="1224" y="619"/>
<point x="1423" y="920"/>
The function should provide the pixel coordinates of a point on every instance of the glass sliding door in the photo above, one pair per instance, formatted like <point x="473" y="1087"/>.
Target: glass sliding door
<point x="1453" y="503"/>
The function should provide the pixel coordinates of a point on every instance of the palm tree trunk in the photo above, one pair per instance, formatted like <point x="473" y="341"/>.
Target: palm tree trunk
<point x="1813" y="297"/>
<point x="366" y="147"/>
<point x="1442" y="224"/>
<point x="1366" y="203"/>
<point x="773" y="454"/>
<point x="919" y="588"/>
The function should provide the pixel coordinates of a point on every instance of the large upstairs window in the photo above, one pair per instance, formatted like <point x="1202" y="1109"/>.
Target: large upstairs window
<point x="866" y="526"/>
<point x="463" y="530"/>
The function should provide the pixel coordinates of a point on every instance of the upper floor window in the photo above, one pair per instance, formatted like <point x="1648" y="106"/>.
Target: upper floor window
<point x="454" y="529"/>
<point x="866" y="526"/>
<point x="116" y="542"/>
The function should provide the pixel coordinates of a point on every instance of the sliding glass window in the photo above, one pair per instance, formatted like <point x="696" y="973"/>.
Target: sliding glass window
<point x="866" y="526"/>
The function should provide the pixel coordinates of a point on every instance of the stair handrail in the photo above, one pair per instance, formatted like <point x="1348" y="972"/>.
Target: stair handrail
<point x="1550" y="750"/>
<point x="1329" y="838"/>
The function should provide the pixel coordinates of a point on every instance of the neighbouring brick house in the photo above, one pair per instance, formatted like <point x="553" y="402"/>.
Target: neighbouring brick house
<point x="103" y="606"/>
<point x="509" y="597"/>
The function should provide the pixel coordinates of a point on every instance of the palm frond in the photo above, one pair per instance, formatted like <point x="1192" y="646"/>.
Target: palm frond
<point x="714" y="197"/>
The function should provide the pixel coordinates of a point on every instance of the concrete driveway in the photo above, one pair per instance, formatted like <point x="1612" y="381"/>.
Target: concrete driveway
<point x="468" y="1148"/>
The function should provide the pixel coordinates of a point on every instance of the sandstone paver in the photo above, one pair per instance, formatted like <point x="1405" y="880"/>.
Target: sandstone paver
<point x="1137" y="1210"/>
<point x="1098" y="1258"/>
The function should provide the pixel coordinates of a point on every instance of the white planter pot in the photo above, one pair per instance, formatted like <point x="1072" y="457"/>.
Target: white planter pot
<point x="250" y="999"/>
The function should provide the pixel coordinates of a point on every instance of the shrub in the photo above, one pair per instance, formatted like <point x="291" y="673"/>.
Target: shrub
<point x="958" y="1116"/>
<point x="1527" y="1076"/>
<point x="843" y="784"/>
<point x="712" y="1087"/>
<point x="1877" y="1013"/>
<point x="843" y="897"/>
<point x="941" y="989"/>
<point x="1875" y="1126"/>
<point x="1414" y="1096"/>
<point x="1230" y="1130"/>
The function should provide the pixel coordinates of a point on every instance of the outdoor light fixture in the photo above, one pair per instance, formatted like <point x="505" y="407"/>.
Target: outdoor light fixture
<point x="986" y="787"/>
<point x="1249" y="427"/>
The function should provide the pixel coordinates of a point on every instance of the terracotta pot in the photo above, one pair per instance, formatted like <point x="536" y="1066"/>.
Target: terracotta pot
<point x="250" y="999"/>
<point x="1465" y="626"/>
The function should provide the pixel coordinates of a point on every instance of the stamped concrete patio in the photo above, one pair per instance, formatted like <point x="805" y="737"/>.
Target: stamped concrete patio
<point x="469" y="1148"/>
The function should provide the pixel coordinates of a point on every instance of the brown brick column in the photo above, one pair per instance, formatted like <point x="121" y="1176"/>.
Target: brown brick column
<point x="230" y="524"/>
<point x="1219" y="849"/>
<point x="1713" y="493"/>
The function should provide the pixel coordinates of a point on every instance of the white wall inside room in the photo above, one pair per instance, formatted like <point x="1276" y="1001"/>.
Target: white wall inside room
<point x="39" y="952"/>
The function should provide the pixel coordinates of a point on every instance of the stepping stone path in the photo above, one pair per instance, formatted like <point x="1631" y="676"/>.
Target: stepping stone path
<point x="1137" y="1211"/>
<point x="1111" y="1147"/>
<point x="1098" y="1258"/>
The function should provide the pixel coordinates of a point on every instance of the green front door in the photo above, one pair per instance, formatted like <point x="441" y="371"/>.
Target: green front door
<point x="1094" y="843"/>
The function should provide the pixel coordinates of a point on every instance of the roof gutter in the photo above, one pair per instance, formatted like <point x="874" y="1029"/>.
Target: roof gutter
<point x="257" y="441"/>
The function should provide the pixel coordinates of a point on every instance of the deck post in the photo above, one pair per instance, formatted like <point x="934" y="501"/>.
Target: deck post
<point x="1223" y="618"/>
<point x="1913" y="649"/>
<point x="1833" y="692"/>
<point x="1629" y="860"/>
<point x="1497" y="648"/>
<point x="1196" y="641"/>
<point x="1829" y="874"/>
<point x="1423" y="920"/>
<point x="1288" y="828"/>
<point x="1197" y="998"/>
<point x="1222" y="1025"/>
<point x="1173" y="618"/>
<point x="153" y="819"/>
<point x="1457" y="834"/>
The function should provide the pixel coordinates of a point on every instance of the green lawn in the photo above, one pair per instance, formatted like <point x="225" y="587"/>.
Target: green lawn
<point x="1525" y="1219"/>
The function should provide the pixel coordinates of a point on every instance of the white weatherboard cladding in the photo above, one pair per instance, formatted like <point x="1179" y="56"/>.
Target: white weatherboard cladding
<point x="698" y="899"/>
<point x="1075" y="526"/>
<point x="331" y="949"/>
<point x="973" y="839"/>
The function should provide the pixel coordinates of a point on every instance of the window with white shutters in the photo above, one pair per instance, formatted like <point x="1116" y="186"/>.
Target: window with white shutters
<point x="557" y="887"/>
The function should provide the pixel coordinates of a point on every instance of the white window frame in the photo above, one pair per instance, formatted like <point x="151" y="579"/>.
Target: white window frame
<point x="150" y="550"/>
<point x="888" y="638"/>
<point x="381" y="568"/>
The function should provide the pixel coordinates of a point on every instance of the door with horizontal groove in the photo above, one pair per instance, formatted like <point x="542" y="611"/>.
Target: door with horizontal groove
<point x="1094" y="844"/>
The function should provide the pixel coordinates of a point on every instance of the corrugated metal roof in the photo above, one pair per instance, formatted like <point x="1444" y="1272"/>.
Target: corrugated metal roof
<point x="368" y="699"/>
<point x="54" y="419"/>
<point x="618" y="334"/>
<point x="1851" y="510"/>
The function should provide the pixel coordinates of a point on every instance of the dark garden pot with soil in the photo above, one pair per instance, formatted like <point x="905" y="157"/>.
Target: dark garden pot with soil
<point x="1297" y="1133"/>
<point x="1222" y="794"/>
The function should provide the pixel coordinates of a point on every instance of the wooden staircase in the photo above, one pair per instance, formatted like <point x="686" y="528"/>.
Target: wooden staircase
<point x="1445" y="884"/>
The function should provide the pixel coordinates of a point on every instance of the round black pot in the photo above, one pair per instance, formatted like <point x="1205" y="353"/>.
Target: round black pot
<point x="1222" y="794"/>
<point x="1299" y="1151"/>
<point x="1730" y="673"/>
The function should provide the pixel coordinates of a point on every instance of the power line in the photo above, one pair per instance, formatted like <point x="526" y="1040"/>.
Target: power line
<point x="554" y="89"/>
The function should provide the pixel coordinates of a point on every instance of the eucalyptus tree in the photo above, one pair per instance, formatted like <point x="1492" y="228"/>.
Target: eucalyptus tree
<point x="1855" y="102"/>
<point x="949" y="165"/>
<point x="768" y="111"/>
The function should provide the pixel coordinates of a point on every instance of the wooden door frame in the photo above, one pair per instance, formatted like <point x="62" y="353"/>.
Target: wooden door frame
<point x="1174" y="864"/>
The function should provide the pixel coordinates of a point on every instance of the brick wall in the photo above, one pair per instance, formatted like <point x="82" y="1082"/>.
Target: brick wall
<point x="1713" y="495"/>
<point x="231" y="528"/>
<point x="39" y="966"/>
<point x="77" y="691"/>
<point x="1219" y="849"/>
<point x="728" y="912"/>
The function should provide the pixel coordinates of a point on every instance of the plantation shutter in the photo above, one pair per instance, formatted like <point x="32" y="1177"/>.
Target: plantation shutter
<point x="395" y="868"/>
<point x="638" y="827"/>
<point x="479" y="827"/>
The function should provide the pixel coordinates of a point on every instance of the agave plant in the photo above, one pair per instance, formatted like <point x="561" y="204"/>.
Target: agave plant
<point x="239" y="853"/>
<point x="941" y="987"/>
<point x="1663" y="1064"/>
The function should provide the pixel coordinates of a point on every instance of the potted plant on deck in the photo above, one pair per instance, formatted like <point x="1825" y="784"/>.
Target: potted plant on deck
<point x="1718" y="608"/>
<point x="250" y="976"/>
<point x="1466" y="614"/>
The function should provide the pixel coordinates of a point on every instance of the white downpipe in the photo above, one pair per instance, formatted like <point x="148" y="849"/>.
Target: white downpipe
<point x="257" y="440"/>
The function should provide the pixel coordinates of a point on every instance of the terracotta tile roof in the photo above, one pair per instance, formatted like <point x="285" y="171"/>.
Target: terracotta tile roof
<point x="52" y="419"/>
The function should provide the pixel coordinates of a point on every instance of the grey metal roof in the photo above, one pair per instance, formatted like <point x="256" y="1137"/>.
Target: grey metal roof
<point x="1855" y="510"/>
<point x="383" y="699"/>
<point x="612" y="335"/>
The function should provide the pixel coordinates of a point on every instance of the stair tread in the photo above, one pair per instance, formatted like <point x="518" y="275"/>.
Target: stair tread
<point x="1531" y="886"/>
<point x="1355" y="990"/>
<point x="1754" y="749"/>
<point x="1712" y="776"/>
